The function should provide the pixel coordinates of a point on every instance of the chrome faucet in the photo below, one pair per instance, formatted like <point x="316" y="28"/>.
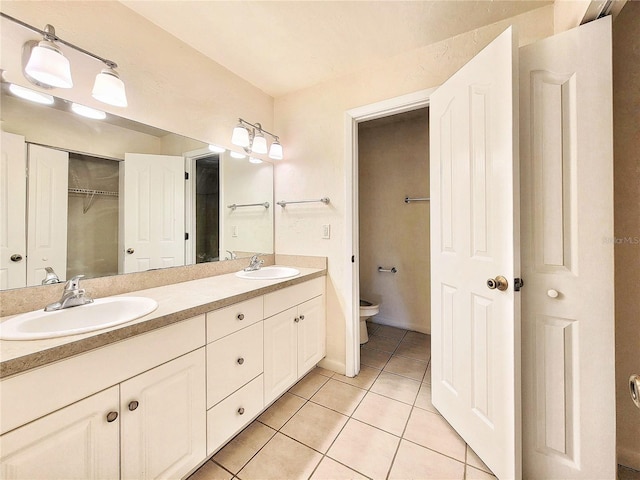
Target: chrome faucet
<point x="232" y="255"/>
<point x="254" y="264"/>
<point x="51" y="277"/>
<point x="72" y="296"/>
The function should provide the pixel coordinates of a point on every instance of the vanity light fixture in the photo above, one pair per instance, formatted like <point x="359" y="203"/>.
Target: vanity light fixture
<point x="254" y="141"/>
<point x="45" y="65"/>
<point x="216" y="148"/>
<point x="31" y="95"/>
<point x="88" y="111"/>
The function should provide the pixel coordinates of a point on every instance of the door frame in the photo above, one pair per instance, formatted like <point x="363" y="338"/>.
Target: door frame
<point x="384" y="108"/>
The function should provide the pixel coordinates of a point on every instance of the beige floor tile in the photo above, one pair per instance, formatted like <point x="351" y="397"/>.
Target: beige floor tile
<point x="382" y="343"/>
<point x="415" y="462"/>
<point x="432" y="431"/>
<point x="309" y="384"/>
<point x="418" y="338"/>
<point x="281" y="411"/>
<point x="373" y="358"/>
<point x="382" y="412"/>
<point x="323" y="371"/>
<point x="211" y="471"/>
<point x="475" y="474"/>
<point x="427" y="376"/>
<point x="423" y="399"/>
<point x="372" y="327"/>
<point x="364" y="379"/>
<point x="474" y="460"/>
<point x="315" y="426"/>
<point x="396" y="387"/>
<point x="626" y="473"/>
<point x="415" y="351"/>
<point x="281" y="458"/>
<point x="239" y="451"/>
<point x="329" y="469"/>
<point x="407" y="367"/>
<point x="390" y="332"/>
<point x="339" y="396"/>
<point x="365" y="449"/>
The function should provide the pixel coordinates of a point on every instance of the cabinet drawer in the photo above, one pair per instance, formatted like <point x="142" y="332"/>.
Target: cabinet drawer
<point x="225" y="420"/>
<point x="233" y="361"/>
<point x="280" y="300"/>
<point x="225" y="321"/>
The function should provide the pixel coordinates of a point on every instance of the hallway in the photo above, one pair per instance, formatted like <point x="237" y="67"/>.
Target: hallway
<point x="378" y="425"/>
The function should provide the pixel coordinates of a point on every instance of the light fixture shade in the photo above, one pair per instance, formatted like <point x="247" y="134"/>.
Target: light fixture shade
<point x="259" y="143"/>
<point x="49" y="66"/>
<point x="109" y="89"/>
<point x="240" y="136"/>
<point x="275" y="152"/>
<point x="237" y="155"/>
<point x="88" y="111"/>
<point x="31" y="95"/>
<point x="254" y="160"/>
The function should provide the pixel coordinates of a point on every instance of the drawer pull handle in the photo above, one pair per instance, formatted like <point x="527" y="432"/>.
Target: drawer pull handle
<point x="241" y="316"/>
<point x="241" y="411"/>
<point x="111" y="416"/>
<point x="240" y="361"/>
<point x="296" y="319"/>
<point x="133" y="405"/>
<point x="301" y="317"/>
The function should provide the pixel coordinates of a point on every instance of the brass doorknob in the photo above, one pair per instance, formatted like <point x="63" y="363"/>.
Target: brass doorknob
<point x="499" y="282"/>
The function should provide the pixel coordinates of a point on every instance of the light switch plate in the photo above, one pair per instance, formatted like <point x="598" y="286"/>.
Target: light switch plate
<point x="234" y="230"/>
<point x="326" y="232"/>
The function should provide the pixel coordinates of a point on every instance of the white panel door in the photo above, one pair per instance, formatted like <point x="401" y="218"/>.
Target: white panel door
<point x="47" y="213"/>
<point x="76" y="442"/>
<point x="474" y="237"/>
<point x="13" y="212"/>
<point x="280" y="354"/>
<point x="164" y="420"/>
<point x="151" y="212"/>
<point x="311" y="334"/>
<point x="567" y="246"/>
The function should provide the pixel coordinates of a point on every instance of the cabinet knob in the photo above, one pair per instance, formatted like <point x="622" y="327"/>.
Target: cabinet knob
<point x="296" y="319"/>
<point x="241" y="316"/>
<point x="240" y="361"/>
<point x="301" y="317"/>
<point x="241" y="411"/>
<point x="133" y="405"/>
<point x="553" y="293"/>
<point x="111" y="416"/>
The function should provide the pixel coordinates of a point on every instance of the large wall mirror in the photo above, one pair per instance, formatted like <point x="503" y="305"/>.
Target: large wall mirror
<point x="110" y="196"/>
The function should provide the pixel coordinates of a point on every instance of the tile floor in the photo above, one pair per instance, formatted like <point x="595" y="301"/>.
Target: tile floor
<point x="378" y="425"/>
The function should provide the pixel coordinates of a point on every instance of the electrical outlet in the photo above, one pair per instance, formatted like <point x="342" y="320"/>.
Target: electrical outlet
<point x="234" y="230"/>
<point x="326" y="232"/>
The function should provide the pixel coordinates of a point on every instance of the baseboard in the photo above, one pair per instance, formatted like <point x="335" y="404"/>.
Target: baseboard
<point x="333" y="365"/>
<point x="404" y="325"/>
<point x="628" y="458"/>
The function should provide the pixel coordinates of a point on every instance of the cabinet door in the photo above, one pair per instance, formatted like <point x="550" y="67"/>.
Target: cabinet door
<point x="280" y="354"/>
<point x="311" y="334"/>
<point x="76" y="442"/>
<point x="164" y="433"/>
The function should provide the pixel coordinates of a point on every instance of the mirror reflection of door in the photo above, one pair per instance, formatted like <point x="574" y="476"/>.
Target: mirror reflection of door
<point x="207" y="192"/>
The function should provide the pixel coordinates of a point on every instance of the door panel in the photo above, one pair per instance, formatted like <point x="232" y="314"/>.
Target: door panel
<point x="567" y="207"/>
<point x="474" y="237"/>
<point x="280" y="354"/>
<point x="13" y="211"/>
<point x="311" y="334"/>
<point x="47" y="213"/>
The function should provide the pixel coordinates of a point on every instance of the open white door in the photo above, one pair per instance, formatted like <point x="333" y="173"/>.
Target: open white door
<point x="567" y="255"/>
<point x="48" y="195"/>
<point x="13" y="212"/>
<point x="151" y="212"/>
<point x="475" y="336"/>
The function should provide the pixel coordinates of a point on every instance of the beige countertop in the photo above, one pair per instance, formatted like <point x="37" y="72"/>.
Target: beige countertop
<point x="176" y="302"/>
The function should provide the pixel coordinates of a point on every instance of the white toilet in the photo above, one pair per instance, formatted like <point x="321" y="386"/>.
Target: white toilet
<point x="367" y="310"/>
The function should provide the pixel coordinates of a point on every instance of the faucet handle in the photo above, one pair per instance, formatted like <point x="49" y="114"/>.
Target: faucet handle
<point x="73" y="283"/>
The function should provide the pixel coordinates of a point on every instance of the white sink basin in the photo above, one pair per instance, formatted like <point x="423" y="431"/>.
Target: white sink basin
<point x="102" y="313"/>
<point x="269" y="273"/>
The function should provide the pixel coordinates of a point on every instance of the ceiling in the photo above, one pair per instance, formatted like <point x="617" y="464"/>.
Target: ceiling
<point x="284" y="46"/>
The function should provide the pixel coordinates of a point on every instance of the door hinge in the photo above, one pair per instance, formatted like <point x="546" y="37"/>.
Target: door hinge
<point x="518" y="283"/>
<point x="186" y="236"/>
<point x="186" y="175"/>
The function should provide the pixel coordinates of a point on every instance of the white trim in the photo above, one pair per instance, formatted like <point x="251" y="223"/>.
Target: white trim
<point x="385" y="108"/>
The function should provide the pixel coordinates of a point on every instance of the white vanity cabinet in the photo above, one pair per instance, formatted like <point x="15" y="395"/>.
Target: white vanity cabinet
<point x="147" y="419"/>
<point x="294" y="335"/>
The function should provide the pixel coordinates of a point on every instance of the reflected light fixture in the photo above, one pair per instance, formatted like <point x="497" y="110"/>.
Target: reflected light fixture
<point x="252" y="138"/>
<point x="216" y="148"/>
<point x="254" y="160"/>
<point x="45" y="65"/>
<point x="237" y="155"/>
<point x="31" y="95"/>
<point x="88" y="111"/>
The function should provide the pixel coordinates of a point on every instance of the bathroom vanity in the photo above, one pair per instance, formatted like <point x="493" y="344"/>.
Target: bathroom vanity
<point x="156" y="397"/>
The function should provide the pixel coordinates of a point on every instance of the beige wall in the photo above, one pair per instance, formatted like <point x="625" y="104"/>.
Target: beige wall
<point x="626" y="122"/>
<point x="393" y="162"/>
<point x="169" y="85"/>
<point x="313" y="122"/>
